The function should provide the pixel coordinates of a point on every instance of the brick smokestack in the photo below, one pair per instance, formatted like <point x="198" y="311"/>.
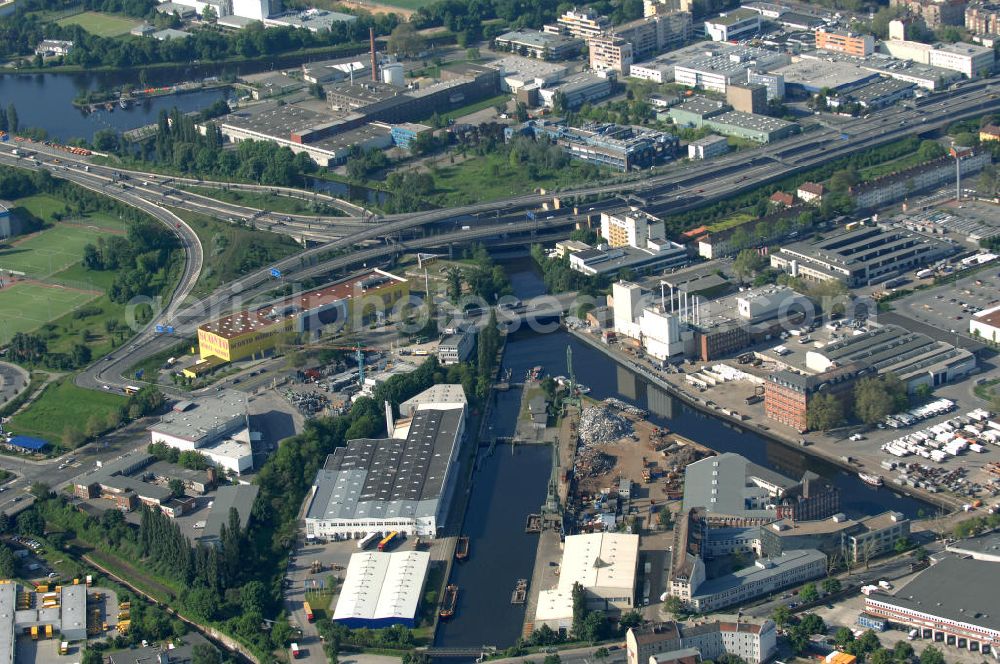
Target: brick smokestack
<point x="371" y="38"/>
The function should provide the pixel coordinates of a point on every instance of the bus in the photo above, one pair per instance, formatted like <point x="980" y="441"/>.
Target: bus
<point x="130" y="389"/>
<point x="309" y="612"/>
<point x="387" y="540"/>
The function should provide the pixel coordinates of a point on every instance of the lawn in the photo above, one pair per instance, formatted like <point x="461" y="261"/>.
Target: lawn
<point x="26" y="306"/>
<point x="42" y="206"/>
<point x="51" y="250"/>
<point x="472" y="108"/>
<point x="99" y="24"/>
<point x="479" y="179"/>
<point x="272" y="202"/>
<point x="62" y="406"/>
<point x="231" y="251"/>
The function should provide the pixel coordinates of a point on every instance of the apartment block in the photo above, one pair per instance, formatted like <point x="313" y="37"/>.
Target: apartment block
<point x="611" y="52"/>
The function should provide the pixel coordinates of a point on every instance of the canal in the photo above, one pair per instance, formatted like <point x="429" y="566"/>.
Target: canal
<point x="509" y="485"/>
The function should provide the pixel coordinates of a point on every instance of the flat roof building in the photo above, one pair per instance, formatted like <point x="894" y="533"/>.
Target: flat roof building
<point x="809" y="76"/>
<point x="753" y="640"/>
<point x="382" y="589"/>
<point x="765" y="576"/>
<point x="845" y="41"/>
<point x="734" y="24"/>
<point x="952" y="603"/>
<point x="215" y="426"/>
<point x="986" y="324"/>
<point x="708" y="147"/>
<point x="716" y="68"/>
<point x="541" y="45"/>
<point x="605" y="564"/>
<point x="8" y="603"/>
<point x="402" y="483"/>
<point x="240" y="497"/>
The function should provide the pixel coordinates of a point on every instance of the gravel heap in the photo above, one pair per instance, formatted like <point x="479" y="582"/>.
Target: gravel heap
<point x="599" y="425"/>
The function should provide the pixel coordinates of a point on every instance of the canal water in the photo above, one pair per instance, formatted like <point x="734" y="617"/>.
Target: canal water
<point x="508" y="486"/>
<point x="46" y="101"/>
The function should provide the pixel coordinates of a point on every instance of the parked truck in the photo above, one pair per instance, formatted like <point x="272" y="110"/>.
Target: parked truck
<point x="296" y="653"/>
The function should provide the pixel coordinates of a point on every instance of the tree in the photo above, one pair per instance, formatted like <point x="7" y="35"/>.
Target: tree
<point x="7" y="562"/>
<point x="176" y="487"/>
<point x="674" y="606"/>
<point x="902" y="545"/>
<point x="843" y="637"/>
<point x="781" y="615"/>
<point x="831" y="586"/>
<point x="877" y="397"/>
<point x="601" y="654"/>
<point x="809" y="593"/>
<point x="405" y="40"/>
<point x="30" y="522"/>
<point x="881" y="656"/>
<point x="203" y="653"/>
<point x="552" y="659"/>
<point x="824" y="412"/>
<point x="812" y="624"/>
<point x="40" y="490"/>
<point x="92" y="657"/>
<point x="747" y="263"/>
<point x="902" y="651"/>
<point x="931" y="655"/>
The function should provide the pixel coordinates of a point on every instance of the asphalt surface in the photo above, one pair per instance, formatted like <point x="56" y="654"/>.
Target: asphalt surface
<point x="13" y="379"/>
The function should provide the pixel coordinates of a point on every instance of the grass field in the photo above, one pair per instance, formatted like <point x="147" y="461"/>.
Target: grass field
<point x="49" y="251"/>
<point x="26" y="306"/>
<point x="42" y="206"/>
<point x="274" y="203"/>
<point x="62" y="404"/>
<point x="102" y="25"/>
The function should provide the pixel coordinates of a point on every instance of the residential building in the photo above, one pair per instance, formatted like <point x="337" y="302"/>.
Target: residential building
<point x="239" y="497"/>
<point x="53" y="47"/>
<point x="382" y="589"/>
<point x="782" y="198"/>
<point x="952" y="603"/>
<point x="986" y="324"/>
<point x="216" y="426"/>
<point x="456" y="348"/>
<point x="865" y="255"/>
<point x="753" y="640"/>
<point x="580" y="23"/>
<point x="787" y="394"/>
<point x="255" y="333"/>
<point x="990" y="132"/>
<point x="541" y="45"/>
<point x="652" y="35"/>
<point x="610" y="52"/>
<point x="735" y="24"/>
<point x="775" y="83"/>
<point x="844" y="41"/>
<point x="402" y="483"/>
<point x="935" y="13"/>
<point x="632" y="228"/>
<point x="810" y="192"/>
<point x="983" y="18"/>
<point x="708" y="147"/>
<point x="969" y="59"/>
<point x="604" y="564"/>
<point x="747" y="97"/>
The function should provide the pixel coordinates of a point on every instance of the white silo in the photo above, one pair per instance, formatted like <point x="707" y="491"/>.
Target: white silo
<point x="392" y="74"/>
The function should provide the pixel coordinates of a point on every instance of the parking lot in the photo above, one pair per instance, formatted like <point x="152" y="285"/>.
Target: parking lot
<point x="949" y="307"/>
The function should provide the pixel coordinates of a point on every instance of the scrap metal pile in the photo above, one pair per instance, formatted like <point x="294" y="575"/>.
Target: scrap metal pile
<point x="600" y="426"/>
<point x="592" y="462"/>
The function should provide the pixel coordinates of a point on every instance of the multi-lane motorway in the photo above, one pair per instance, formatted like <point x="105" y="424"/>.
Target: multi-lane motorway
<point x="352" y="241"/>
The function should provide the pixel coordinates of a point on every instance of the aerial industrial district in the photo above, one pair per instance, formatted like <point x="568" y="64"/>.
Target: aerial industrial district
<point x="736" y="399"/>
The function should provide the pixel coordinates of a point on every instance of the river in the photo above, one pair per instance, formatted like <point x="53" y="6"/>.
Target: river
<point x="507" y="487"/>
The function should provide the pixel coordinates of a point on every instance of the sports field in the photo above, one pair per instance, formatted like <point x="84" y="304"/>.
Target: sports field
<point x="102" y="25"/>
<point x="26" y="306"/>
<point x="48" y="251"/>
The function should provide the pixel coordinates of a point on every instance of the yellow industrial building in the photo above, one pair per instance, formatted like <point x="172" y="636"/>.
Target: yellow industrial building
<point x="344" y="304"/>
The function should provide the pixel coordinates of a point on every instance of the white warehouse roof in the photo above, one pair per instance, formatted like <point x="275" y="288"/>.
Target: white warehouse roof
<point x="381" y="589"/>
<point x="599" y="560"/>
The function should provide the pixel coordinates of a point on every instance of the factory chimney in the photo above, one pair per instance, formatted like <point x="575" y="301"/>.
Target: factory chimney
<point x="371" y="38"/>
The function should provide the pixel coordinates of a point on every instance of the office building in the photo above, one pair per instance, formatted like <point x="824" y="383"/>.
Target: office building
<point x="654" y="34"/>
<point x="580" y="23"/>
<point x="982" y="18"/>
<point x="604" y="259"/>
<point x="604" y="564"/>
<point x="708" y="147"/>
<point x="935" y="13"/>
<point x="844" y="41"/>
<point x="215" y="426"/>
<point x="866" y="255"/>
<point x="736" y="24"/>
<point x="774" y="83"/>
<point x="518" y="72"/>
<point x="747" y="97"/>
<point x="456" y="348"/>
<point x="718" y="68"/>
<point x="753" y="640"/>
<point x="734" y="492"/>
<point x="610" y="52"/>
<point x="788" y="394"/>
<point x="402" y="483"/>
<point x="952" y="603"/>
<point x="986" y="324"/>
<point x="382" y="589"/>
<point x="239" y="497"/>
<point x="348" y="303"/>
<point x="577" y="90"/>
<point x="848" y="540"/>
<point x="619" y="147"/>
<point x="541" y="45"/>
<point x="969" y="59"/>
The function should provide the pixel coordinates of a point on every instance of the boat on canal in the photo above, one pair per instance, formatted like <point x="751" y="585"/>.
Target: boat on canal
<point x="462" y="550"/>
<point x="520" y="594"/>
<point x="450" y="601"/>
<point x="870" y="479"/>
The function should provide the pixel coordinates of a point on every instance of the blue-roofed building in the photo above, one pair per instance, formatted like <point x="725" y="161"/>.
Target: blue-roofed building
<point x="27" y="443"/>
